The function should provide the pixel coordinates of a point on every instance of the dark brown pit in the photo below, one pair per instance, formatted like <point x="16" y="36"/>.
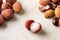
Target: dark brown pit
<point x="55" y="21"/>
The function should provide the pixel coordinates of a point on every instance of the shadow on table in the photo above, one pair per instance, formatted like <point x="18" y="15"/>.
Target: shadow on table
<point x="3" y="26"/>
<point x="14" y="18"/>
<point x="22" y="12"/>
<point x="42" y="32"/>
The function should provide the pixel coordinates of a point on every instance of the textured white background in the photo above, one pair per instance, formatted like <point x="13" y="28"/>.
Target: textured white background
<point x="15" y="29"/>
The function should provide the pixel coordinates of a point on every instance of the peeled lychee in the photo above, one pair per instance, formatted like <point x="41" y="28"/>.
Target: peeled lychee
<point x="33" y="26"/>
<point x="44" y="8"/>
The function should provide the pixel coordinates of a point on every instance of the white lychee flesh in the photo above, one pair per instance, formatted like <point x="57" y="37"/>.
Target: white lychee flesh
<point x="35" y="27"/>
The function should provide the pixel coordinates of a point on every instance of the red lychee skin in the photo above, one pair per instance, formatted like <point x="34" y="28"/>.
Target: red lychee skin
<point x="6" y="6"/>
<point x="1" y="20"/>
<point x="7" y="14"/>
<point x="28" y="23"/>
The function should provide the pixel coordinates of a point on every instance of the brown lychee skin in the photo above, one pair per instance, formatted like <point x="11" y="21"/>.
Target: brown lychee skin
<point x="49" y="14"/>
<point x="1" y="20"/>
<point x="57" y="12"/>
<point x="17" y="7"/>
<point x="11" y="1"/>
<point x="6" y="6"/>
<point x="7" y="14"/>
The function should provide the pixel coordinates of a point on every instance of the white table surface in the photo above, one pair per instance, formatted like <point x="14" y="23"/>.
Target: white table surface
<point x="15" y="29"/>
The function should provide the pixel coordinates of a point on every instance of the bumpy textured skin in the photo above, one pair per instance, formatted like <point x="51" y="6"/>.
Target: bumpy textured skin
<point x="57" y="11"/>
<point x="44" y="8"/>
<point x="6" y="6"/>
<point x="1" y="20"/>
<point x="28" y="23"/>
<point x="49" y="14"/>
<point x="7" y="14"/>
<point x="17" y="7"/>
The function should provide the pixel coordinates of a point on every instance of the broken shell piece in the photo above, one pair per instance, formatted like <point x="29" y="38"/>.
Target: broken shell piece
<point x="47" y="7"/>
<point x="53" y="6"/>
<point x="44" y="8"/>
